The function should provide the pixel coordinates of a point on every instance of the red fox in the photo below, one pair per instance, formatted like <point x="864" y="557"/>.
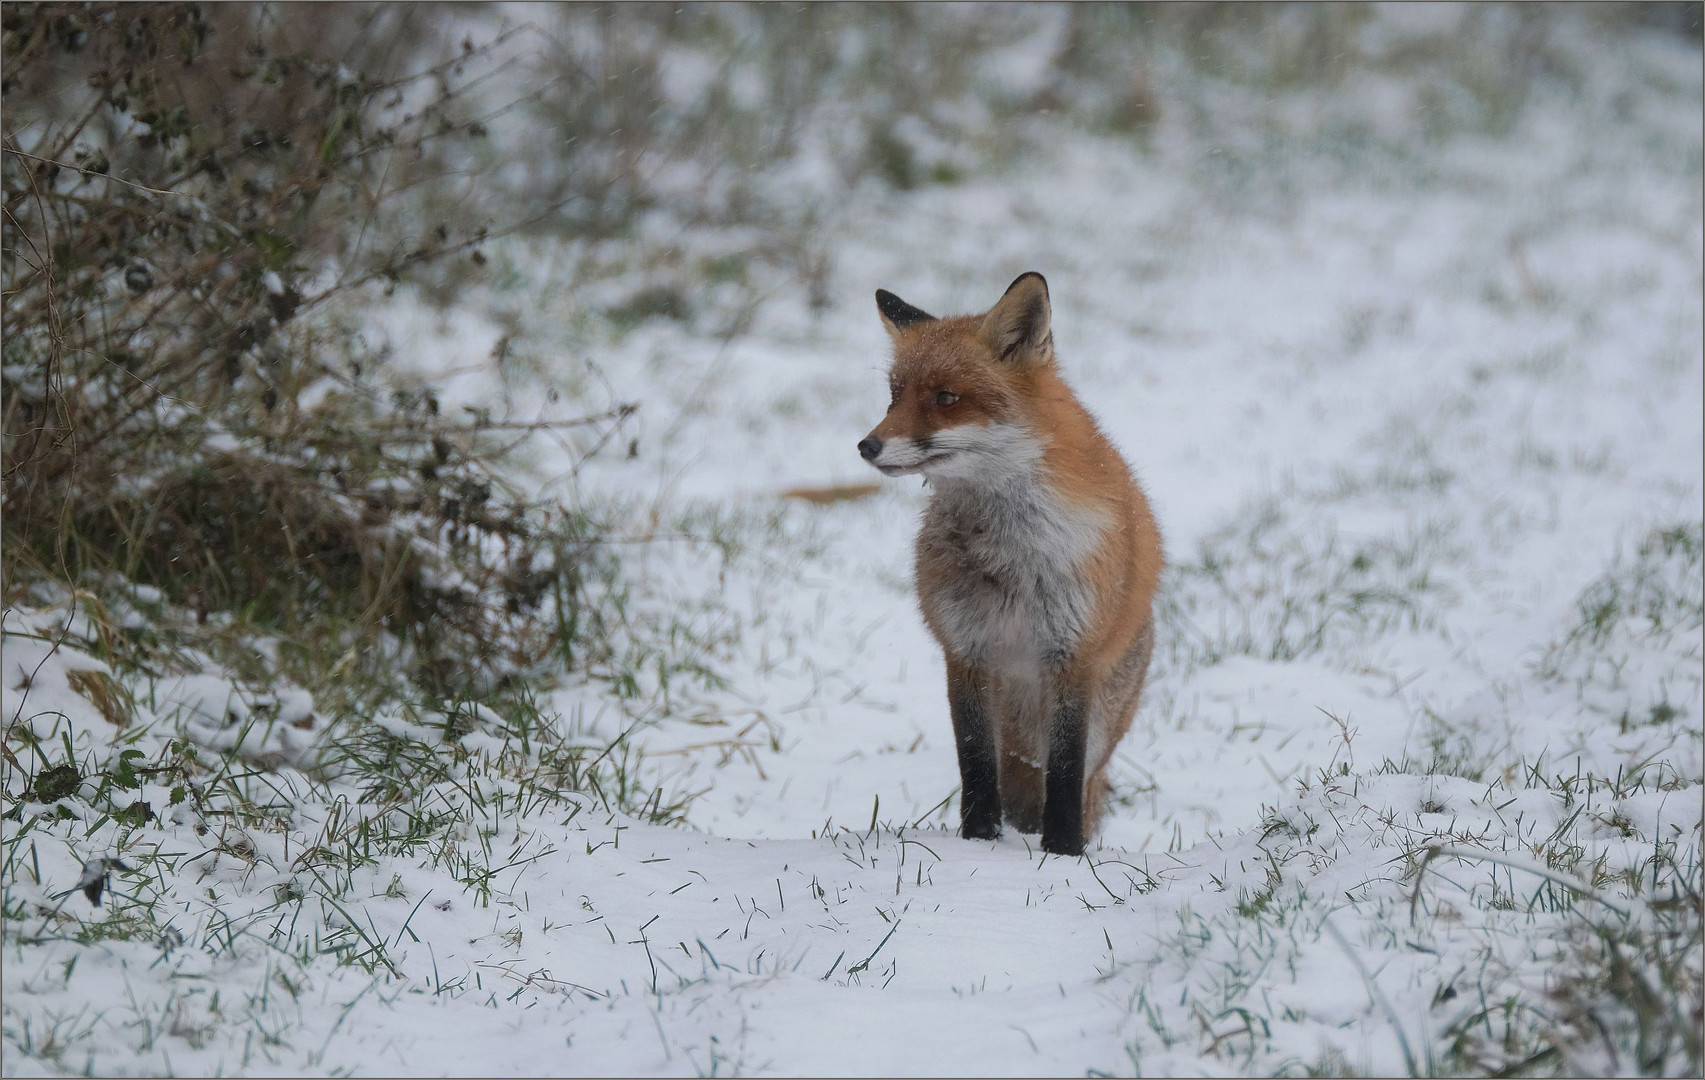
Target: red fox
<point x="1037" y="561"/>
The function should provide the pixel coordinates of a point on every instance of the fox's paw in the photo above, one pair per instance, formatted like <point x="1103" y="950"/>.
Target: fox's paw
<point x="1062" y="845"/>
<point x="980" y="830"/>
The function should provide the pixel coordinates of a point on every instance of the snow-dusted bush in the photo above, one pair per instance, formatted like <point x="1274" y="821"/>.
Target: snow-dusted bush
<point x="188" y="190"/>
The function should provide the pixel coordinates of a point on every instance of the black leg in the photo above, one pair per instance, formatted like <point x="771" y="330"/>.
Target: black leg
<point x="974" y="736"/>
<point x="1062" y="813"/>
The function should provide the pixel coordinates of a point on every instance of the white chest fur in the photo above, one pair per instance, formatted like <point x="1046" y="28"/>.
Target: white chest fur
<point x="1008" y="594"/>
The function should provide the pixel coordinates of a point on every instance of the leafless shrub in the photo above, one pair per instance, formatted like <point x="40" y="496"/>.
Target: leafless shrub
<point x="183" y="186"/>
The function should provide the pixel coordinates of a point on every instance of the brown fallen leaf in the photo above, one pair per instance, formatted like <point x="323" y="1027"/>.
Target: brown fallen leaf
<point x="834" y="493"/>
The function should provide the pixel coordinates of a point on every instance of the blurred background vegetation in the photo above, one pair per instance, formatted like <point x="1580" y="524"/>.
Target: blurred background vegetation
<point x="201" y="200"/>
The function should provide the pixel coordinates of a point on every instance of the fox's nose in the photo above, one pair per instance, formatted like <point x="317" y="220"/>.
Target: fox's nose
<point x="869" y="447"/>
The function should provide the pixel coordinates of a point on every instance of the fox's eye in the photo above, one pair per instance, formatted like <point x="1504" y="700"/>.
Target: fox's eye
<point x="945" y="398"/>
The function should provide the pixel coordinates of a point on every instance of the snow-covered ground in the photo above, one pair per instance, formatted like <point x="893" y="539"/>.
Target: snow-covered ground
<point x="1423" y="431"/>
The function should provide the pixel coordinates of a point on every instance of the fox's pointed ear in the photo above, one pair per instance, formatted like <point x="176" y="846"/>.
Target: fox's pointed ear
<point x="897" y="314"/>
<point x="1020" y="326"/>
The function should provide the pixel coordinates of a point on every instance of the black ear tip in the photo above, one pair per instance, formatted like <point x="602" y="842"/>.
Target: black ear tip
<point x="898" y="312"/>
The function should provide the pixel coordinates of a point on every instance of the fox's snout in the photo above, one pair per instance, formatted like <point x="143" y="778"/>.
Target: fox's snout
<point x="869" y="447"/>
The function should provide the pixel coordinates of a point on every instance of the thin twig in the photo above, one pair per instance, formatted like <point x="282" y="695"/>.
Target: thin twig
<point x="1573" y="884"/>
<point x="1378" y="996"/>
<point x="196" y="199"/>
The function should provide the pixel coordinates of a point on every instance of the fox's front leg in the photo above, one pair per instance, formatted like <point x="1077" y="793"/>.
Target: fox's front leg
<point x="970" y="700"/>
<point x="1068" y="745"/>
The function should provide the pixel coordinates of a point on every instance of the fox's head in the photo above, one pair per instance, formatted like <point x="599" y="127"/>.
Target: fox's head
<point x="961" y="388"/>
